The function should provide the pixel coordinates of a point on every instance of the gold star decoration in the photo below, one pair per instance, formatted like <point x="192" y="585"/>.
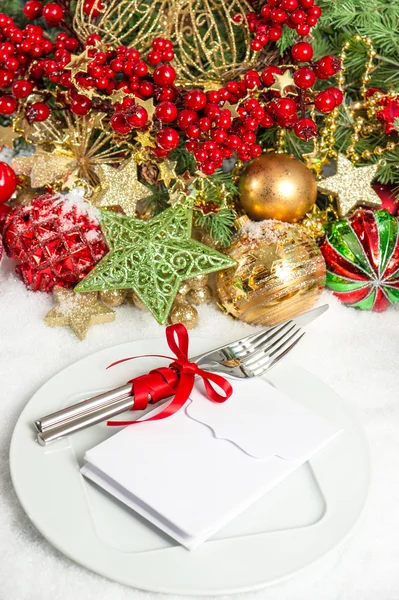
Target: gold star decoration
<point x="316" y="160"/>
<point x="167" y="171"/>
<point x="282" y="82"/>
<point x="232" y="108"/>
<point x="145" y="139"/>
<point x="351" y="185"/>
<point x="78" y="311"/>
<point x="7" y="136"/>
<point x="120" y="187"/>
<point x="118" y="96"/>
<point x="79" y="63"/>
<point x="148" y="105"/>
<point x="43" y="167"/>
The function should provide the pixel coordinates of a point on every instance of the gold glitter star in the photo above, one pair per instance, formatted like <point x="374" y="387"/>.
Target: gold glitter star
<point x="167" y="171"/>
<point x="7" y="136"/>
<point x="148" y="105"/>
<point x="78" y="311"/>
<point x="43" y="168"/>
<point x="120" y="187"/>
<point x="79" y="63"/>
<point x="351" y="185"/>
<point x="118" y="96"/>
<point x="232" y="108"/>
<point x="282" y="82"/>
<point x="145" y="139"/>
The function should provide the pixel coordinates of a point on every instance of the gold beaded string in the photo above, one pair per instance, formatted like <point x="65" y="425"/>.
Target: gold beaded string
<point x="361" y="128"/>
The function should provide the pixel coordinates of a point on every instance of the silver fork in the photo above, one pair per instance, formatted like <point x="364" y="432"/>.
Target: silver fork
<point x="238" y="360"/>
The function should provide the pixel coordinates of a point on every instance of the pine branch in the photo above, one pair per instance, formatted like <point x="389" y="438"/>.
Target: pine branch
<point x="219" y="225"/>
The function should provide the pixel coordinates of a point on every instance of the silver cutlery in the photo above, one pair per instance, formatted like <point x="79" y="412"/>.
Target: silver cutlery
<point x="251" y="356"/>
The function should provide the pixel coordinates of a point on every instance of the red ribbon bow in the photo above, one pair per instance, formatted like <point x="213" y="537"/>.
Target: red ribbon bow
<point x="176" y="380"/>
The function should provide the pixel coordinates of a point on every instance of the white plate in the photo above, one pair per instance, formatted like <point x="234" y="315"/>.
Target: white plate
<point x="292" y="526"/>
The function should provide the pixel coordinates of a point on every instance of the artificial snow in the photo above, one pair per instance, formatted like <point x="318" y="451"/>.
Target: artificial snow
<point x="355" y="352"/>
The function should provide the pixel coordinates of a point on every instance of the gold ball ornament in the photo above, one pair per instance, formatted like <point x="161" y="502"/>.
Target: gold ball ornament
<point x="113" y="297"/>
<point x="280" y="273"/>
<point x="200" y="295"/>
<point x="277" y="186"/>
<point x="183" y="312"/>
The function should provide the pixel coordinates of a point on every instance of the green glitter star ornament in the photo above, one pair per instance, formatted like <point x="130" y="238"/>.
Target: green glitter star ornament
<point x="152" y="258"/>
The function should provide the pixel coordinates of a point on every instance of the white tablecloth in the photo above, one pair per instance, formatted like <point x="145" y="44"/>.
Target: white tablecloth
<point x="356" y="353"/>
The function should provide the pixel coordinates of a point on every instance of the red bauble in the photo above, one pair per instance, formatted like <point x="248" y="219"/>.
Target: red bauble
<point x="33" y="9"/>
<point x="53" y="14"/>
<point x="302" y="52"/>
<point x="8" y="182"/>
<point x="168" y="138"/>
<point x="388" y="197"/>
<point x="54" y="241"/>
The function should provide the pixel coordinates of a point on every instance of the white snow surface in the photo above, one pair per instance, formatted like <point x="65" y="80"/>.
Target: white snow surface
<point x="354" y="352"/>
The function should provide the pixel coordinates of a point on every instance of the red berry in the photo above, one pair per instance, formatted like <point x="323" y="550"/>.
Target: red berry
<point x="268" y="75"/>
<point x="193" y="131"/>
<point x="140" y="69"/>
<point x="166" y="112"/>
<point x="195" y="100"/>
<point x="285" y="107"/>
<point x="164" y="75"/>
<point x="204" y="124"/>
<point x="120" y="124"/>
<point x="93" y="8"/>
<point x="327" y="67"/>
<point x="304" y="78"/>
<point x="154" y="57"/>
<point x="302" y="52"/>
<point x="8" y="182"/>
<point x="53" y="14"/>
<point x="33" y="9"/>
<point x="8" y="105"/>
<point x="338" y="95"/>
<point x="306" y="3"/>
<point x="302" y="29"/>
<point x="278" y="15"/>
<point x="252" y="80"/>
<point x="22" y="88"/>
<point x="314" y="11"/>
<point x="305" y="129"/>
<point x="275" y="33"/>
<point x="325" y="101"/>
<point x="298" y="16"/>
<point x="186" y="117"/>
<point x="168" y="55"/>
<point x="80" y="105"/>
<point x="138" y="116"/>
<point x="168" y="138"/>
<point x="37" y="112"/>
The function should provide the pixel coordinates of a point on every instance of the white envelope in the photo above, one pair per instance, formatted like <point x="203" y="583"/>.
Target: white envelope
<point x="192" y="473"/>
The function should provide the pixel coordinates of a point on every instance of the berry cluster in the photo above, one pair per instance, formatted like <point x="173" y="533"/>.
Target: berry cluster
<point x="27" y="56"/>
<point x="267" y="26"/>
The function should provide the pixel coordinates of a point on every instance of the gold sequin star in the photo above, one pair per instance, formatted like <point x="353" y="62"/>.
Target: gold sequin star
<point x="120" y="187"/>
<point x="167" y="171"/>
<point x="79" y="63"/>
<point x="232" y="108"/>
<point x="78" y="311"/>
<point x="145" y="139"/>
<point x="282" y="82"/>
<point x="7" y="136"/>
<point x="351" y="185"/>
<point x="118" y="96"/>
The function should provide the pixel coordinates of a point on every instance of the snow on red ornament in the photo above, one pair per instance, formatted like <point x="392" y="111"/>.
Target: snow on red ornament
<point x="56" y="241"/>
<point x="8" y="182"/>
<point x="362" y="259"/>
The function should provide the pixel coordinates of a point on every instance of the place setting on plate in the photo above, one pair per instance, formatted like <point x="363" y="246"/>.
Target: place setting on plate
<point x="165" y="457"/>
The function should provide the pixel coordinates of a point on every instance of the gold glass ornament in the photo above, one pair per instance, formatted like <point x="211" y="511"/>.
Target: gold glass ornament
<point x="200" y="295"/>
<point x="280" y="273"/>
<point x="113" y="297"/>
<point x="277" y="186"/>
<point x="183" y="312"/>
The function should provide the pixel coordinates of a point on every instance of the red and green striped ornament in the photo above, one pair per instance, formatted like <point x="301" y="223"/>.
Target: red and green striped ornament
<point x="362" y="258"/>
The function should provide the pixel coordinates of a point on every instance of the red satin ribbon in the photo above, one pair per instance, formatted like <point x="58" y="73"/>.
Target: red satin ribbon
<point x="176" y="380"/>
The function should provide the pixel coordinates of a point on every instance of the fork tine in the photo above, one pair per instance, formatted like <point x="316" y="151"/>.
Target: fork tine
<point x="259" y="339"/>
<point x="277" y="359"/>
<point x="266" y="349"/>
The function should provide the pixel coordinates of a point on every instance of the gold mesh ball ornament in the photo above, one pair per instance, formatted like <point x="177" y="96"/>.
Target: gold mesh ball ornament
<point x="280" y="273"/>
<point x="209" y="47"/>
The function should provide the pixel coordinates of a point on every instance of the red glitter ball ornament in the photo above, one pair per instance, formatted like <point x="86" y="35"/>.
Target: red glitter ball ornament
<point x="54" y="240"/>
